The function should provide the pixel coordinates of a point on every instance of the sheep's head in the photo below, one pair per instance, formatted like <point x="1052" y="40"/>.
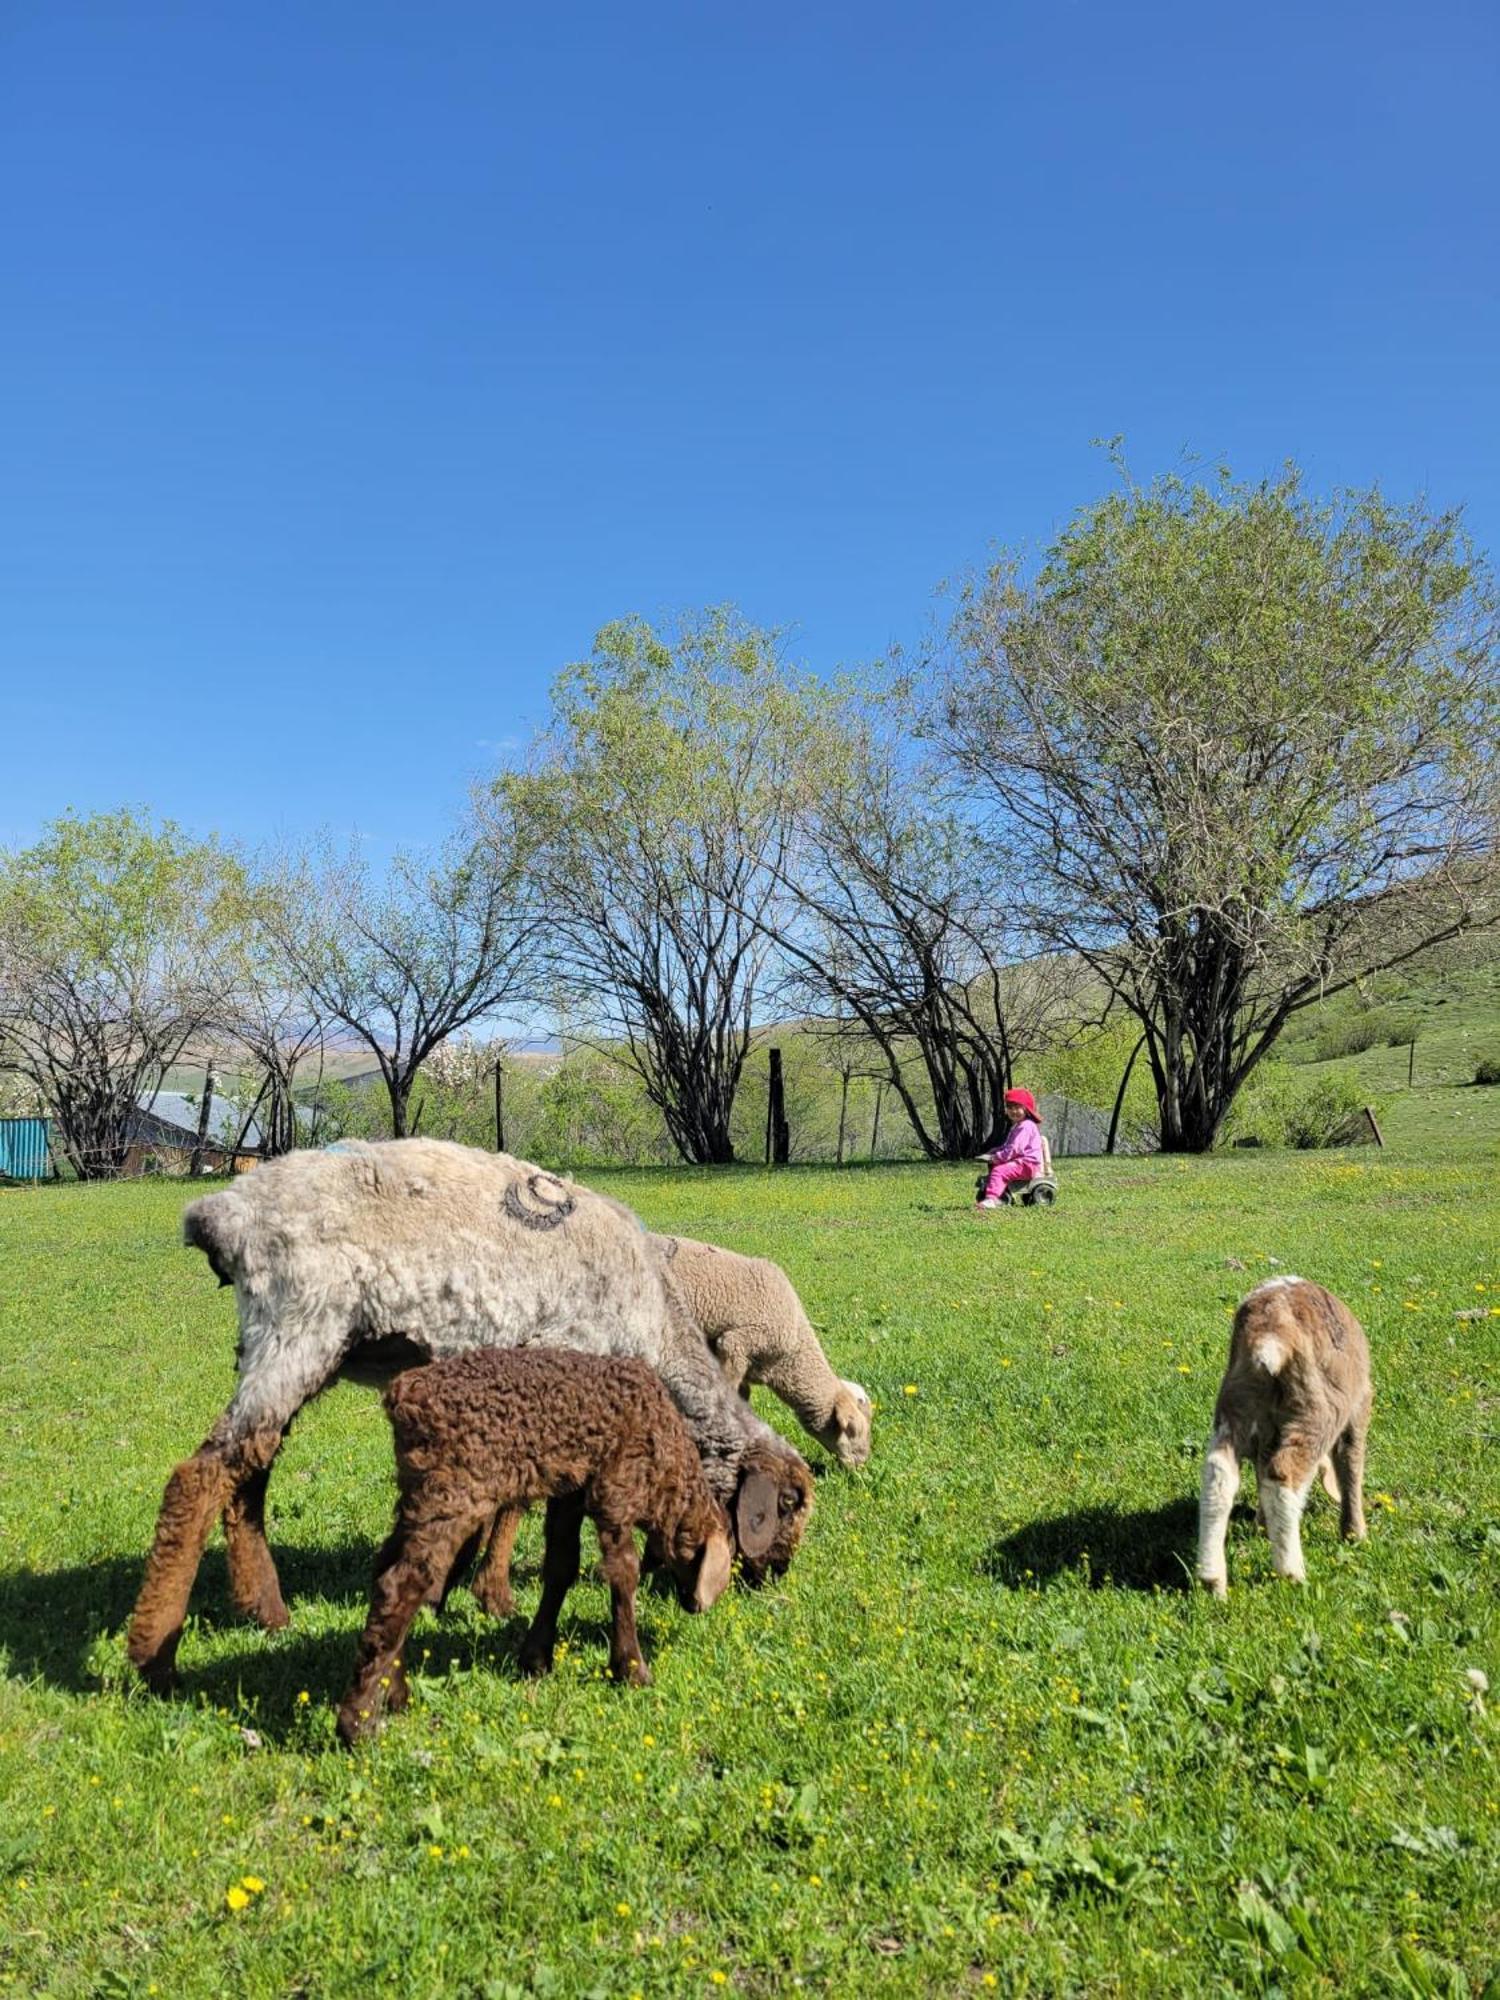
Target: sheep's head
<point x="698" y="1553"/>
<point x="847" y="1431"/>
<point x="770" y="1509"/>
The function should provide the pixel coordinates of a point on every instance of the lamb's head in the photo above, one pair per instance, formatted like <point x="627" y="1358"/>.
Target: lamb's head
<point x="770" y="1507"/>
<point x="847" y="1431"/>
<point x="699" y="1554"/>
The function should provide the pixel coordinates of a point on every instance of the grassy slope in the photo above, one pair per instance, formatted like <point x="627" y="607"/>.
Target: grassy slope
<point x="981" y="1735"/>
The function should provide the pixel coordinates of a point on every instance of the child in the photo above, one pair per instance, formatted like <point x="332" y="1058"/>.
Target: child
<point x="1019" y="1158"/>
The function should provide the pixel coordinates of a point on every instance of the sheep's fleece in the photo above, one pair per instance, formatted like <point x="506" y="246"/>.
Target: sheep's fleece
<point x="368" y="1258"/>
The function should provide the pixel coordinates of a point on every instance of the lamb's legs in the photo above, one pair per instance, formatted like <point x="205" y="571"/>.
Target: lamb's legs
<point x="1349" y="1464"/>
<point x="1221" y="1481"/>
<point x="253" y="1582"/>
<point x="622" y="1570"/>
<point x="419" y="1554"/>
<point x="560" y="1559"/>
<point x="491" y="1583"/>
<point x="1284" y="1480"/>
<point x="197" y="1491"/>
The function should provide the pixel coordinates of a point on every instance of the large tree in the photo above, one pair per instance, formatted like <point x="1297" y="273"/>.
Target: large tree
<point x="902" y="928"/>
<point x="113" y="960"/>
<point x="658" y="811"/>
<point x="406" y="958"/>
<point x="1238" y="746"/>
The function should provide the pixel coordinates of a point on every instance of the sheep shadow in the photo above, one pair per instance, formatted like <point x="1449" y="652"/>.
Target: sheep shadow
<point x="1148" y="1549"/>
<point x="52" y="1620"/>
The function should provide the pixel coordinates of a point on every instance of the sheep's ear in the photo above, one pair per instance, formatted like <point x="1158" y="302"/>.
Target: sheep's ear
<point x="713" y="1571"/>
<point x="755" y="1514"/>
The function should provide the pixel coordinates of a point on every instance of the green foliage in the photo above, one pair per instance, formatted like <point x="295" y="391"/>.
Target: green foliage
<point x="982" y="1729"/>
<point x="1281" y="1107"/>
<point x="1487" y="1070"/>
<point x="1243" y="743"/>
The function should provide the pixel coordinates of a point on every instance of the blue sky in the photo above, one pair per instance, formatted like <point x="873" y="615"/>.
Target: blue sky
<point x="358" y="361"/>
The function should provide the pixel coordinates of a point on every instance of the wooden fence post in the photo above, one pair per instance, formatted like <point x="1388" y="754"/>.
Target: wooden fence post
<point x="195" y="1164"/>
<point x="778" y="1133"/>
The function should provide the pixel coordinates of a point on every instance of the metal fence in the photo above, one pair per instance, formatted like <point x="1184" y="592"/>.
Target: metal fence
<point x="23" y="1149"/>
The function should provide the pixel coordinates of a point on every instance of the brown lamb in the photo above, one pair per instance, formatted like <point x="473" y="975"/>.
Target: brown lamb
<point x="1296" y="1400"/>
<point x="495" y="1429"/>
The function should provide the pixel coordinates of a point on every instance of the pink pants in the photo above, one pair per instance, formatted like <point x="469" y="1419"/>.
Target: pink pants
<point x="1004" y="1174"/>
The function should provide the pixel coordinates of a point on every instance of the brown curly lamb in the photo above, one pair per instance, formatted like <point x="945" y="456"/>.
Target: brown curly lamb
<point x="495" y="1429"/>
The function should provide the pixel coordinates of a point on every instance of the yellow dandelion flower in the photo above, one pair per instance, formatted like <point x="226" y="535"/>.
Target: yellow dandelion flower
<point x="719" y="1978"/>
<point x="909" y="1389"/>
<point x="303" y="1699"/>
<point x="253" y="1883"/>
<point x="236" y="1898"/>
<point x="622" y="1909"/>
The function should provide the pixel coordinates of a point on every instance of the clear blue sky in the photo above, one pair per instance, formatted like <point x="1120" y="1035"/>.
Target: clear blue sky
<point x="358" y="361"/>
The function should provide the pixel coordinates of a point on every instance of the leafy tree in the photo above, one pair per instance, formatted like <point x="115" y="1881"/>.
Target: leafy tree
<point x="903" y="929"/>
<point x="404" y="962"/>
<point x="1239" y="746"/>
<point x="657" y="813"/>
<point x="113" y="935"/>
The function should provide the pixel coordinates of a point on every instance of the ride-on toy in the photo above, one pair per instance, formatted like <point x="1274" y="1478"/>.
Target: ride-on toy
<point x="1039" y="1192"/>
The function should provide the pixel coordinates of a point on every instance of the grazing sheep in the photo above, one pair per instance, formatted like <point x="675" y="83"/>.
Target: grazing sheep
<point x="491" y="1430"/>
<point x="1296" y="1399"/>
<point x="752" y="1318"/>
<point x="378" y="1257"/>
<point x="750" y="1315"/>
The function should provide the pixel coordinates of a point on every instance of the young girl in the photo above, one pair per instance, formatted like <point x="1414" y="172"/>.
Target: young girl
<point x="1019" y="1157"/>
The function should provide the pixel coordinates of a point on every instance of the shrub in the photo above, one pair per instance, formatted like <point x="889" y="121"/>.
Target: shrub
<point x="1370" y="1028"/>
<point x="1277" y="1108"/>
<point x="1487" y="1069"/>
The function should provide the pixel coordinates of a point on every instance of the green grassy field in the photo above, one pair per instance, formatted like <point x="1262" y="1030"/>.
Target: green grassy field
<point x="983" y="1737"/>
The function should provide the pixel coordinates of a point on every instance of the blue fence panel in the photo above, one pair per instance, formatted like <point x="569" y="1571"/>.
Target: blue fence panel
<point x="23" y="1149"/>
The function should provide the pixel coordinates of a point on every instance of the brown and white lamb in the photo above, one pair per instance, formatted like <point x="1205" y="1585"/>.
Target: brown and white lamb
<point x="374" y="1258"/>
<point x="496" y="1430"/>
<point x="1295" y="1400"/>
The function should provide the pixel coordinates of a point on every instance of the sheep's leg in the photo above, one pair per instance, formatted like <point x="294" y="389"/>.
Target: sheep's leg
<point x="622" y="1572"/>
<point x="491" y="1582"/>
<point x="1349" y="1463"/>
<point x="1284" y="1481"/>
<point x="733" y="1350"/>
<point x="198" y="1490"/>
<point x="253" y="1582"/>
<point x="1221" y="1481"/>
<point x="419" y="1554"/>
<point x="560" y="1560"/>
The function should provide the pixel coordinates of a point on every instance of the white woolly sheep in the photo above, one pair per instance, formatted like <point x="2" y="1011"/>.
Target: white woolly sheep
<point x="360" y="1262"/>
<point x="749" y="1313"/>
<point x="1295" y="1399"/>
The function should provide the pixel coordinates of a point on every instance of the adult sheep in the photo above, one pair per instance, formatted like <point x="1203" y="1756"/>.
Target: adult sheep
<point x="361" y="1262"/>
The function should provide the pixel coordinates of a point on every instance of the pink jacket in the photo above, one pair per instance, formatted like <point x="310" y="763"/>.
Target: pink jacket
<point x="1019" y="1158"/>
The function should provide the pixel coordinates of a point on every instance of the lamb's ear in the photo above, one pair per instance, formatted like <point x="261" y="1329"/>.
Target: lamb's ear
<point x="713" y="1571"/>
<point x="755" y="1514"/>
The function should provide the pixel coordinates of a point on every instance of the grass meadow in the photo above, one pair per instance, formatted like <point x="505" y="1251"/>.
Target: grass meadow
<point x="982" y="1738"/>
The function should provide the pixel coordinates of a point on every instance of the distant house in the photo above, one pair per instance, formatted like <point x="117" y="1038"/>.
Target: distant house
<point x="163" y="1131"/>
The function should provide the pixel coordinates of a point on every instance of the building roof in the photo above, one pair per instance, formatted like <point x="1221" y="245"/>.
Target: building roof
<point x="177" y="1115"/>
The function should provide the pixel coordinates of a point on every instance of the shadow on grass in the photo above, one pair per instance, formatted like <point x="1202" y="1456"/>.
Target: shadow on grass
<point x="1150" y="1549"/>
<point x="52" y="1620"/>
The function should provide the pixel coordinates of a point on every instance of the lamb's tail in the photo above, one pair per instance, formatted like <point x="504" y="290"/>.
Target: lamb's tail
<point x="1267" y="1352"/>
<point x="217" y="1225"/>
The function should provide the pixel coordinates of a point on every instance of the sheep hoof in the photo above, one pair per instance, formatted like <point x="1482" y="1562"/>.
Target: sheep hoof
<point x="633" y="1672"/>
<point x="494" y="1598"/>
<point x="355" y="1724"/>
<point x="1216" y="1586"/>
<point x="534" y="1661"/>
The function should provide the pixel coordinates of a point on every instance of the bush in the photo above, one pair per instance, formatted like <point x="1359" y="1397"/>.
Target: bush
<point x="1277" y="1108"/>
<point x="1370" y="1028"/>
<point x="1488" y="1069"/>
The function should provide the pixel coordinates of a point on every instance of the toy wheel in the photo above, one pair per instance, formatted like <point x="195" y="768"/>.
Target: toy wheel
<point x="1042" y="1196"/>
